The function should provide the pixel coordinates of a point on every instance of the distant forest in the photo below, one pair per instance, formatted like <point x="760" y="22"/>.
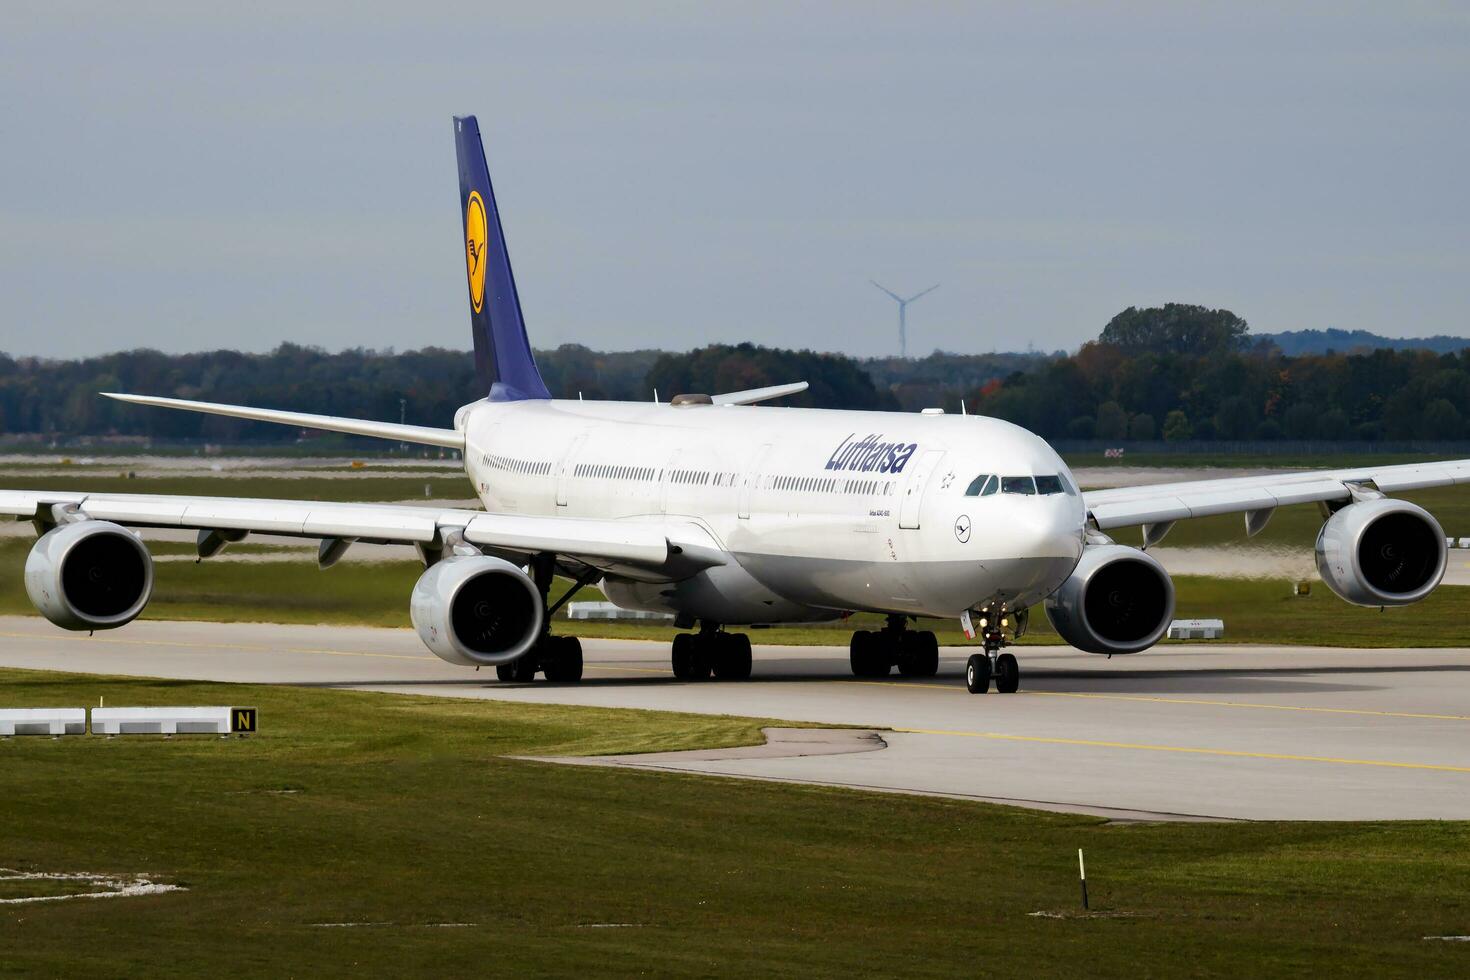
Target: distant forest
<point x="1177" y="372"/>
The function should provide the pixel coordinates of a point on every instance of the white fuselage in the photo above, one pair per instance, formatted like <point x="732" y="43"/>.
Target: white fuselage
<point x="820" y="512"/>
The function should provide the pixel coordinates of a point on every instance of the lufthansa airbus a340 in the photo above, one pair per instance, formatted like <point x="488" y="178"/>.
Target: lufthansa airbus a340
<point x="726" y="513"/>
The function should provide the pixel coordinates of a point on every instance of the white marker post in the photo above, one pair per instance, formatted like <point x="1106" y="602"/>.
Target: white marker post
<point x="1082" y="873"/>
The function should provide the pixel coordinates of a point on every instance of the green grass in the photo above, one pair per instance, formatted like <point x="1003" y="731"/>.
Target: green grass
<point x="400" y="814"/>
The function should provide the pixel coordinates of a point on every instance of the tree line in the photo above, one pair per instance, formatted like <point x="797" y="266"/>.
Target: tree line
<point x="59" y="398"/>
<point x="1189" y="373"/>
<point x="1176" y="372"/>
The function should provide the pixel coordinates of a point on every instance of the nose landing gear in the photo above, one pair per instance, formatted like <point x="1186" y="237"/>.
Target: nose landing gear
<point x="982" y="668"/>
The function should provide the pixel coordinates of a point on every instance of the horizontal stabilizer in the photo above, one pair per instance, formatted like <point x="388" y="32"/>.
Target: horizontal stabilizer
<point x="752" y="395"/>
<point x="419" y="434"/>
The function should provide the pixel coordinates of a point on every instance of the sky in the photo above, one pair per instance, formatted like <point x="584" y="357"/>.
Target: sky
<point x="190" y="176"/>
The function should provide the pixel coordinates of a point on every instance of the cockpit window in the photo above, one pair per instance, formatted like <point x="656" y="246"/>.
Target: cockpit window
<point x="991" y="485"/>
<point x="1050" y="485"/>
<point x="976" y="485"/>
<point x="1017" y="484"/>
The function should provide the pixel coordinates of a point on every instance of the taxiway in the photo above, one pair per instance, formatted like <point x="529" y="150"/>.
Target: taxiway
<point x="1206" y="731"/>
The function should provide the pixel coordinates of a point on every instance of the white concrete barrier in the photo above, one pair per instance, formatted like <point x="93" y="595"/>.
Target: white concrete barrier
<point x="1464" y="543"/>
<point x="1196" y="629"/>
<point x="43" y="721"/>
<point x="608" y="610"/>
<point x="212" y="720"/>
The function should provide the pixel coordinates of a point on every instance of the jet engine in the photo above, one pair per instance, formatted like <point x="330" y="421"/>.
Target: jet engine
<point x="1382" y="553"/>
<point x="1117" y="600"/>
<point x="89" y="575"/>
<point x="476" y="611"/>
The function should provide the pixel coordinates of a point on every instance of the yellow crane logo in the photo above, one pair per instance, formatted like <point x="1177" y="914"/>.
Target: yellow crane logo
<point x="474" y="248"/>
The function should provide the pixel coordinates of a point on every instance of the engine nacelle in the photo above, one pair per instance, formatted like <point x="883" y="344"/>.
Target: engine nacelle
<point x="1117" y="600"/>
<point x="476" y="611"/>
<point x="89" y="575"/>
<point x="1382" y="553"/>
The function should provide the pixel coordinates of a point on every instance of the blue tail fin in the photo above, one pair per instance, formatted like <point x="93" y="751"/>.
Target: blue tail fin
<point x="502" y="350"/>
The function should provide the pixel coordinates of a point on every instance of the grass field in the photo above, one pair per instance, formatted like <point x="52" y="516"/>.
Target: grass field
<point x="390" y="835"/>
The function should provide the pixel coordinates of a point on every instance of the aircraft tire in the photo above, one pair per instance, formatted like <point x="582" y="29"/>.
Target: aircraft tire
<point x="565" y="662"/>
<point x="733" y="660"/>
<point x="524" y="667"/>
<point x="977" y="673"/>
<point x="867" y="655"/>
<point x="682" y="656"/>
<point x="1007" y="674"/>
<point x="505" y="672"/>
<point x="918" y="655"/>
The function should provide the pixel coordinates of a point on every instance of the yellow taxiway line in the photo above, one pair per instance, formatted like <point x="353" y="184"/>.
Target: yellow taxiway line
<point x="1144" y="747"/>
<point x="1152" y="699"/>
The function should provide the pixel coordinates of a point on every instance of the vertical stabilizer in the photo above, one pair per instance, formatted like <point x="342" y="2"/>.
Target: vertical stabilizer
<point x="502" y="349"/>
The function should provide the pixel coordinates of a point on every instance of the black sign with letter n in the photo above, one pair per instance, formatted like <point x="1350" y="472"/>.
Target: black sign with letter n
<point x="242" y="720"/>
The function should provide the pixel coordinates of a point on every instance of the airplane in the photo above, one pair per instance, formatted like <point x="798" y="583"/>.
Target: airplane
<point x="726" y="512"/>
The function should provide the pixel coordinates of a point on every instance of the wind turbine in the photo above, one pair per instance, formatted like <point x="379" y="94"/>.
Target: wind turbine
<point x="903" y="306"/>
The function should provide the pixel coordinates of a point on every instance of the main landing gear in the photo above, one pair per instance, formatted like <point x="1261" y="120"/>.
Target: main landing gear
<point x="711" y="651"/>
<point x="559" y="658"/>
<point x="874" y="654"/>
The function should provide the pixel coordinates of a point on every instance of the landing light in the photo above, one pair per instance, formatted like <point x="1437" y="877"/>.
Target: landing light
<point x="983" y="623"/>
<point x="1005" y="622"/>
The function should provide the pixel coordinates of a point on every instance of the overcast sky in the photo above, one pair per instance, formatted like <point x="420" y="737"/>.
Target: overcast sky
<point x="189" y="176"/>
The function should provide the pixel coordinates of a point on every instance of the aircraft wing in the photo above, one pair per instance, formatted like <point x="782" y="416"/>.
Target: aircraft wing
<point x="422" y="435"/>
<point x="654" y="547"/>
<point x="1257" y="496"/>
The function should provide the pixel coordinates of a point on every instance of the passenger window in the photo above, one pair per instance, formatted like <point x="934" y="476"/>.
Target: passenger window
<point x="1049" y="485"/>
<point x="1017" y="484"/>
<point x="976" y="485"/>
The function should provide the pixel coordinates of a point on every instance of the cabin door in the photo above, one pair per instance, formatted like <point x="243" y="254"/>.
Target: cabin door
<point x="913" y="489"/>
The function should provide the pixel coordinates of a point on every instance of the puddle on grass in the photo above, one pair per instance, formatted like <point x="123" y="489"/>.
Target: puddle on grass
<point x="31" y="887"/>
<point x="1088" y="915"/>
<point x="416" y="925"/>
<point x="609" y="925"/>
<point x="348" y="925"/>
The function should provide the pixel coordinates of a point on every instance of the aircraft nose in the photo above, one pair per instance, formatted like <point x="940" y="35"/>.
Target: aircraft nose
<point x="1054" y="530"/>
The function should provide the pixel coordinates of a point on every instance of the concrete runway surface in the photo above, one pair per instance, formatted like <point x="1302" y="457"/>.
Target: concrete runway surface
<point x="1200" y="731"/>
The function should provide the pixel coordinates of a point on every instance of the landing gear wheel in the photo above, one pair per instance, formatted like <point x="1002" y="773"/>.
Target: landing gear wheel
<point x="682" y="658"/>
<point x="1007" y="674"/>
<point x="564" y="662"/>
<point x="918" y="654"/>
<point x="505" y="672"/>
<point x="691" y="657"/>
<point x="977" y="673"/>
<point x="524" y="667"/>
<point x="868" y="655"/>
<point x="732" y="661"/>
